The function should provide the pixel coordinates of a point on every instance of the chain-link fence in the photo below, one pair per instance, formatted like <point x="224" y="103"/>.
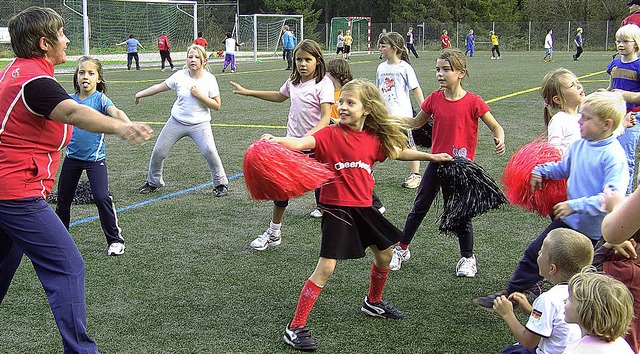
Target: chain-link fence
<point x="517" y="36"/>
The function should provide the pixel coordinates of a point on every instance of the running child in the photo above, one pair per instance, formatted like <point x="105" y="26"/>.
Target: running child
<point x="198" y="93"/>
<point x="230" y="45"/>
<point x="396" y="79"/>
<point x="603" y="307"/>
<point x="86" y="152"/>
<point x="311" y="94"/>
<point x="367" y="134"/>
<point x="456" y="113"/>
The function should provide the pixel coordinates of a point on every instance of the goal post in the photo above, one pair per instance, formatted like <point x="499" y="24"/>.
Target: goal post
<point x="263" y="32"/>
<point x="360" y="28"/>
<point x="100" y="24"/>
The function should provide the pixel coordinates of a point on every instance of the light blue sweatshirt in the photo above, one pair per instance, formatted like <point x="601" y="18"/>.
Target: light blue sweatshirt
<point x="590" y="167"/>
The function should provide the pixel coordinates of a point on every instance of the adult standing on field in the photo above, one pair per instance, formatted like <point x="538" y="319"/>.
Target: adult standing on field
<point x="634" y="14"/>
<point x="164" y="46"/>
<point x="36" y="124"/>
<point x="288" y="43"/>
<point x="132" y="51"/>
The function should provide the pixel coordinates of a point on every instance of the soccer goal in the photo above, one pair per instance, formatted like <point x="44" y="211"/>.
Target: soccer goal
<point x="360" y="28"/>
<point x="263" y="32"/>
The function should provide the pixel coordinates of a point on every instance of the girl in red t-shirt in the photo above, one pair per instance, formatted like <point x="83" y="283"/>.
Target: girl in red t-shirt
<point x="366" y="134"/>
<point x="445" y="41"/>
<point x="455" y="131"/>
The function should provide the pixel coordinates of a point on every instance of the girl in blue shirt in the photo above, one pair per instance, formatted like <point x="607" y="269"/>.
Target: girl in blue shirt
<point x="86" y="152"/>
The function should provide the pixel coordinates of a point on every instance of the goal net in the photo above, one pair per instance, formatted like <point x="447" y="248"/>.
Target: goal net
<point x="112" y="21"/>
<point x="360" y="28"/>
<point x="262" y="33"/>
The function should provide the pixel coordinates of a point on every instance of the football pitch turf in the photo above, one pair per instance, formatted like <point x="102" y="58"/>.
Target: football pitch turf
<point x="189" y="282"/>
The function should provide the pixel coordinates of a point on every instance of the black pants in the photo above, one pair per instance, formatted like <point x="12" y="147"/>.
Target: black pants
<point x="412" y="49"/>
<point x="578" y="52"/>
<point x="288" y="53"/>
<point x="165" y="55"/>
<point x="495" y="50"/>
<point x="130" y="57"/>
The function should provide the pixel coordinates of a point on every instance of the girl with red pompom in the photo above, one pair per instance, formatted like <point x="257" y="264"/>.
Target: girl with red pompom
<point x="366" y="134"/>
<point x="311" y="94"/>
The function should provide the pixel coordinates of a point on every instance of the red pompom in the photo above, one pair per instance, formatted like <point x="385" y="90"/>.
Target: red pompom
<point x="273" y="172"/>
<point x="517" y="177"/>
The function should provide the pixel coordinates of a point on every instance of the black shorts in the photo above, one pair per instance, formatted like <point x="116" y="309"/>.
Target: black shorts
<point x="339" y="50"/>
<point x="347" y="49"/>
<point x="348" y="231"/>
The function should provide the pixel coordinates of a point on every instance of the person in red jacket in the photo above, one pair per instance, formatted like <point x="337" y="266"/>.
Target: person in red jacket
<point x="164" y="46"/>
<point x="634" y="14"/>
<point x="36" y="124"/>
<point x="201" y="41"/>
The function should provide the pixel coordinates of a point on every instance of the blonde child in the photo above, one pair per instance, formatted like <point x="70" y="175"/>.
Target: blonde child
<point x="198" y="93"/>
<point x="603" y="307"/>
<point x="563" y="92"/>
<point x="396" y="79"/>
<point x="340" y="73"/>
<point x="367" y="134"/>
<point x="311" y="93"/>
<point x="563" y="253"/>
<point x="456" y="113"/>
<point x="625" y="75"/>
<point x="590" y="165"/>
<point x="348" y="39"/>
<point x="86" y="152"/>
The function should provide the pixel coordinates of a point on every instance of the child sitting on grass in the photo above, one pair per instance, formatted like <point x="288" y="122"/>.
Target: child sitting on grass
<point x="564" y="252"/>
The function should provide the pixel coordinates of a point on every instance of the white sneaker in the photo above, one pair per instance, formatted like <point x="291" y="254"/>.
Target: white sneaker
<point x="413" y="181"/>
<point x="316" y="213"/>
<point x="492" y="58"/>
<point x="382" y="209"/>
<point x="268" y="238"/>
<point x="399" y="256"/>
<point x="115" y="249"/>
<point x="467" y="267"/>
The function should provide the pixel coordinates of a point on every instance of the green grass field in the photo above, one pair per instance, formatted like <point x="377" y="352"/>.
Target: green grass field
<point x="190" y="283"/>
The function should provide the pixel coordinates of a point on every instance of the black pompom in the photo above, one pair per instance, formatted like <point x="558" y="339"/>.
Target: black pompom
<point x="422" y="135"/>
<point x="83" y="195"/>
<point x="467" y="191"/>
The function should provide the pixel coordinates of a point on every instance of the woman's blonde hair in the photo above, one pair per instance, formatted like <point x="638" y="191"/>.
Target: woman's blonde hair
<point x="604" y="305"/>
<point x="551" y="87"/>
<point x="390" y="131"/>
<point x="396" y="41"/>
<point x="202" y="54"/>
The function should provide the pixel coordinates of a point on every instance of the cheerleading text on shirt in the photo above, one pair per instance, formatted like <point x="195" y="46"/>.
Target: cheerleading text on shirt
<point x="353" y="164"/>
